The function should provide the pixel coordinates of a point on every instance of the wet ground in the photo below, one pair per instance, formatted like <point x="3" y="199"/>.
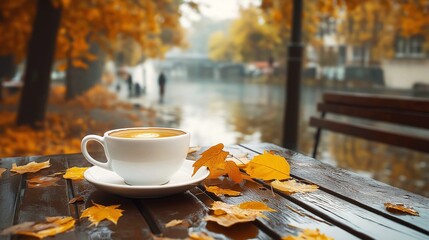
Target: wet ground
<point x="232" y="112"/>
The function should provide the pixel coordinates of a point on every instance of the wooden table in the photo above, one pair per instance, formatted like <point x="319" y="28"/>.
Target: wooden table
<point x="347" y="206"/>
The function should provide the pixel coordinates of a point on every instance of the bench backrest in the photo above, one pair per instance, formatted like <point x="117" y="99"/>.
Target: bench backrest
<point x="405" y="111"/>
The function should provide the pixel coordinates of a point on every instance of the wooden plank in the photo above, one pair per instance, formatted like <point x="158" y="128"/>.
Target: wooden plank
<point x="289" y="217"/>
<point x="10" y="188"/>
<point x="132" y="225"/>
<point x="391" y="116"/>
<point x="353" y="188"/>
<point x="378" y="101"/>
<point x="38" y="203"/>
<point x="371" y="133"/>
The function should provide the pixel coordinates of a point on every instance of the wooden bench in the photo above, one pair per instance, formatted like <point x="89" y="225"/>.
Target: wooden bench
<point x="395" y="110"/>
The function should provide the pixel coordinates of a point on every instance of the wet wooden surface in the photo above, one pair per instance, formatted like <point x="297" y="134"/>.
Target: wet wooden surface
<point x="347" y="206"/>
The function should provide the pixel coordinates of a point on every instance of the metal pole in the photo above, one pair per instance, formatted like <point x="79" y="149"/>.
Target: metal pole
<point x="293" y="86"/>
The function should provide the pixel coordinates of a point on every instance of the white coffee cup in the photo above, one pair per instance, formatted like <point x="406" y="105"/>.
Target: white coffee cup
<point x="141" y="156"/>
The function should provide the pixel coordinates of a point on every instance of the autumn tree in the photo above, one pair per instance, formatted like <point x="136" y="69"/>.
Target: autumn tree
<point x="86" y="30"/>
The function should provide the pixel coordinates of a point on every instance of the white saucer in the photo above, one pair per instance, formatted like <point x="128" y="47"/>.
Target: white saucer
<point x="181" y="181"/>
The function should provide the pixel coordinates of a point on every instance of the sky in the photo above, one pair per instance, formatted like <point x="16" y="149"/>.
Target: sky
<point x="216" y="9"/>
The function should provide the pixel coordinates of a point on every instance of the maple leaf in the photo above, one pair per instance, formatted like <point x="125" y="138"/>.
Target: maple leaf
<point x="51" y="227"/>
<point x="268" y="167"/>
<point x="31" y="167"/>
<point x="200" y="236"/>
<point x="41" y="181"/>
<point x="221" y="191"/>
<point x="292" y="186"/>
<point x="76" y="199"/>
<point x="400" y="208"/>
<point x="2" y="170"/>
<point x="308" y="234"/>
<point x="75" y="173"/>
<point x="211" y="158"/>
<point x="98" y="213"/>
<point x="227" y="215"/>
<point x="233" y="172"/>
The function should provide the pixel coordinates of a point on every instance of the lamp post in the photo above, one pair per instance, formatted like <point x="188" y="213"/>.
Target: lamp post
<point x="293" y="75"/>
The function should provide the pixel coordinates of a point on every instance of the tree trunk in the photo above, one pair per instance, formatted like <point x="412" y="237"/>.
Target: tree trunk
<point x="7" y="71"/>
<point x="79" y="80"/>
<point x="41" y="49"/>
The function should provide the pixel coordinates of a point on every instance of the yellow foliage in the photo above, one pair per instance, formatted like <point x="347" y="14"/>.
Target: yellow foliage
<point x="98" y="213"/>
<point x="292" y="186"/>
<point x="227" y="215"/>
<point x="268" y="166"/>
<point x="221" y="191"/>
<point x="31" y="167"/>
<point x="75" y="173"/>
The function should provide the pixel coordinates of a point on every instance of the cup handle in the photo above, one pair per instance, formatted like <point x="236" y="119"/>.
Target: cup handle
<point x="85" y="140"/>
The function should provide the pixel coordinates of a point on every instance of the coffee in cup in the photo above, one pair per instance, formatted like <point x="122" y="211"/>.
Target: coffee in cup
<point x="141" y="156"/>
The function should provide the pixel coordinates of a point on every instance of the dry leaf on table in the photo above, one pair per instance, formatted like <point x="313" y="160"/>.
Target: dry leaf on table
<point x="193" y="149"/>
<point x="31" y="167"/>
<point x="227" y="215"/>
<point x="77" y="199"/>
<point x="75" y="173"/>
<point x="200" y="236"/>
<point x="2" y="170"/>
<point x="268" y="167"/>
<point x="173" y="223"/>
<point x="221" y="191"/>
<point x="292" y="186"/>
<point x="52" y="227"/>
<point x="42" y="181"/>
<point x="400" y="208"/>
<point x="98" y="213"/>
<point x="211" y="158"/>
<point x="308" y="234"/>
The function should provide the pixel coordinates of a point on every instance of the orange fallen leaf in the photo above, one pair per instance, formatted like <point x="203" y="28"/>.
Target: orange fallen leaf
<point x="221" y="191"/>
<point x="309" y="234"/>
<point x="76" y="199"/>
<point x="211" y="158"/>
<point x="227" y="215"/>
<point x="51" y="227"/>
<point x="268" y="167"/>
<point x="42" y="181"/>
<point x="292" y="186"/>
<point x="173" y="223"/>
<point x="200" y="236"/>
<point x="400" y="208"/>
<point x="31" y="167"/>
<point x="233" y="172"/>
<point x="2" y="170"/>
<point x="75" y="173"/>
<point x="98" y="213"/>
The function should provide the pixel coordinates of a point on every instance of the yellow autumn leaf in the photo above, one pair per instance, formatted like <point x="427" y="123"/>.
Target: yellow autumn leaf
<point x="51" y="227"/>
<point x="31" y="167"/>
<point x="233" y="172"/>
<point x="98" y="213"/>
<point x="309" y="234"/>
<point x="173" y="223"/>
<point x="268" y="166"/>
<point x="200" y="236"/>
<point x="292" y="186"/>
<point x="400" y="208"/>
<point x="211" y="158"/>
<point x="42" y="181"/>
<point x="2" y="170"/>
<point x="221" y="191"/>
<point x="227" y="215"/>
<point x="75" y="173"/>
